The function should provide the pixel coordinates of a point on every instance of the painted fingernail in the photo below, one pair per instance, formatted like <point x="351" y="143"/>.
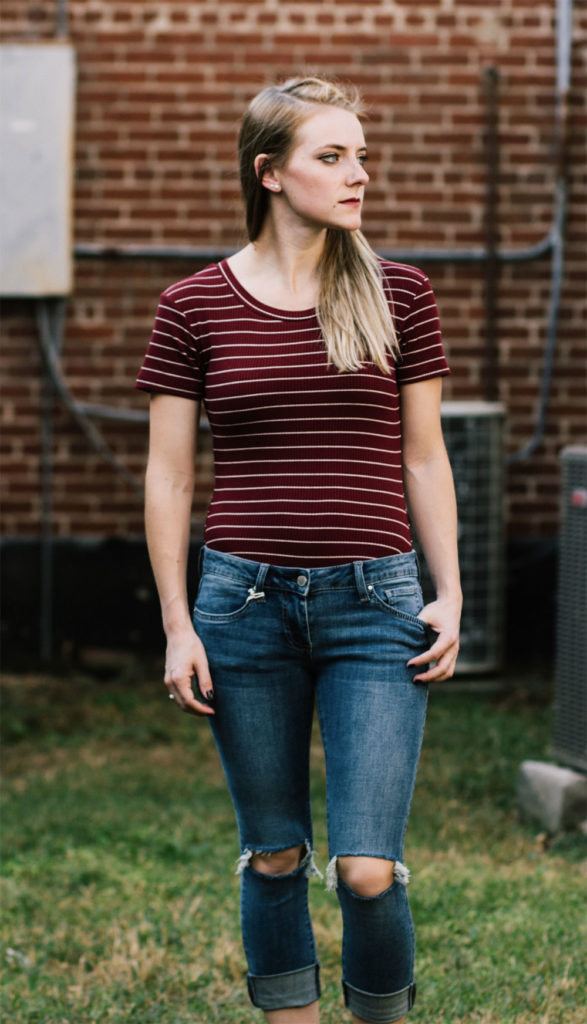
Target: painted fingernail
<point x="210" y="694"/>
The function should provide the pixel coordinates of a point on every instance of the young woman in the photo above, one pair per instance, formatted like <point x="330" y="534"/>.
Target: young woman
<point x="320" y="367"/>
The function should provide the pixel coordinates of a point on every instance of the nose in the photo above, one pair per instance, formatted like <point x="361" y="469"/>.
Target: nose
<point x="358" y="174"/>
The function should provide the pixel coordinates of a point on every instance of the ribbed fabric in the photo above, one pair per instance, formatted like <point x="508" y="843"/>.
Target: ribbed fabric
<point x="307" y="459"/>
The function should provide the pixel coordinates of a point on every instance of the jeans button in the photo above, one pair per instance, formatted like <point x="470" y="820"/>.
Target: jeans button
<point x="301" y="581"/>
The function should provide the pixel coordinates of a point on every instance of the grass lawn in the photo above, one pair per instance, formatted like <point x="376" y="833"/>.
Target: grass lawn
<point x="120" y="903"/>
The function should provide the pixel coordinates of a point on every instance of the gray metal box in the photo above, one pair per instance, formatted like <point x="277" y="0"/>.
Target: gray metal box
<point x="37" y="83"/>
<point x="570" y="694"/>
<point x="473" y="432"/>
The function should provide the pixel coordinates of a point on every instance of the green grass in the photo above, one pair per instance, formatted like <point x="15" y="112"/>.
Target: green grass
<point x="119" y="898"/>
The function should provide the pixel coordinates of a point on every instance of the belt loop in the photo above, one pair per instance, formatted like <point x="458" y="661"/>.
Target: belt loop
<point x="360" y="581"/>
<point x="262" y="573"/>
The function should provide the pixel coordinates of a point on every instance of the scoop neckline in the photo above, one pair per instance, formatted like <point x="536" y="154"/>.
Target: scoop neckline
<point x="254" y="303"/>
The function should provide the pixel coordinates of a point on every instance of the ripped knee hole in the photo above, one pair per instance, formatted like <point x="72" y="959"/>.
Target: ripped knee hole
<point x="282" y="862"/>
<point x="366" y="876"/>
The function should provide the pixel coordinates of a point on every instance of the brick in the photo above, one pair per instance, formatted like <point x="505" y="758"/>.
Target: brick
<point x="144" y="104"/>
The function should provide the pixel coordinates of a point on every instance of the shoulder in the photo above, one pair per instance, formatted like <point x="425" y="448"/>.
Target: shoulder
<point x="206" y="283"/>
<point x="403" y="276"/>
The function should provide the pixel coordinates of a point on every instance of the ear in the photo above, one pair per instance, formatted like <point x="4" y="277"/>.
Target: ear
<point x="265" y="173"/>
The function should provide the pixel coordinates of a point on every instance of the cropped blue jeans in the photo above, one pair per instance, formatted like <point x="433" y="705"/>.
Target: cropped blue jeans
<point x="279" y="641"/>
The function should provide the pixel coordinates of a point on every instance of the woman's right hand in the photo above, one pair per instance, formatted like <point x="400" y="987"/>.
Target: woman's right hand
<point x="186" y="658"/>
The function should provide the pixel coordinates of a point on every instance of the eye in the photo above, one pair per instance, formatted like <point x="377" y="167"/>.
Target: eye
<point x="362" y="158"/>
<point x="329" y="158"/>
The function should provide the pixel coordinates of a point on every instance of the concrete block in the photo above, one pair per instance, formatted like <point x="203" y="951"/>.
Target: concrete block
<point x="554" y="796"/>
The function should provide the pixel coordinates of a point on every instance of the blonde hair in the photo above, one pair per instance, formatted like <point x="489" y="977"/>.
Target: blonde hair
<point x="352" y="309"/>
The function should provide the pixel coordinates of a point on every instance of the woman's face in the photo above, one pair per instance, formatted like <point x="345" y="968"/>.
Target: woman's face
<point x="324" y="178"/>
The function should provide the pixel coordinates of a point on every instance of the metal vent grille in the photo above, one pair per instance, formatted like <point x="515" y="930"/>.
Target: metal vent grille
<point x="570" y="701"/>
<point x="473" y="432"/>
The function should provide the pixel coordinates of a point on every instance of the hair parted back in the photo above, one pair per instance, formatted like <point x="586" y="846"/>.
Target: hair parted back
<point x="353" y="311"/>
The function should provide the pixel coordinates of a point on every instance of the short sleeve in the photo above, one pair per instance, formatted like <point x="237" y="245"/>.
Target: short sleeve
<point x="422" y="353"/>
<point x="172" y="363"/>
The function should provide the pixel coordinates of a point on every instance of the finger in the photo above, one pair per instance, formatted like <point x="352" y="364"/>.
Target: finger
<point x="441" y="645"/>
<point x="442" y="669"/>
<point x="191" y="706"/>
<point x="180" y="689"/>
<point x="186" y="701"/>
<point x="422" y="659"/>
<point x="202" y="689"/>
<point x="433" y="653"/>
<point x="195" y="702"/>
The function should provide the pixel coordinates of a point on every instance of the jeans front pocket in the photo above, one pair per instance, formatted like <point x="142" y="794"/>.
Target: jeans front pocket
<point x="222" y="599"/>
<point x="402" y="598"/>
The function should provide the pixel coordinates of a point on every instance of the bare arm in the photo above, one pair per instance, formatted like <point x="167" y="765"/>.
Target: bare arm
<point x="431" y="501"/>
<point x="169" y="488"/>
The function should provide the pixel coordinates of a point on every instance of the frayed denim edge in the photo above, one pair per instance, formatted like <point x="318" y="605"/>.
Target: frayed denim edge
<point x="401" y="873"/>
<point x="308" y="862"/>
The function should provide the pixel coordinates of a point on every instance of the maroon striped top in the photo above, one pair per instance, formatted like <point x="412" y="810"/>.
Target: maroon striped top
<point x="307" y="459"/>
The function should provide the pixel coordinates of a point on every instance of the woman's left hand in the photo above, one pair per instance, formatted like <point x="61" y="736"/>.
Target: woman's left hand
<point x="443" y="616"/>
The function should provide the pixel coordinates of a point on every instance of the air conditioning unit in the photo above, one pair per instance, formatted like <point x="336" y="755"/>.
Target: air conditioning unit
<point x="570" y="697"/>
<point x="473" y="432"/>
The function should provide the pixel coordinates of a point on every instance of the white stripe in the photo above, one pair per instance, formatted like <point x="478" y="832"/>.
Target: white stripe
<point x="309" y="487"/>
<point x="175" y="324"/>
<point x="421" y="352"/>
<point x="417" y="350"/>
<point x="423" y="376"/>
<point x="271" y="344"/>
<point x="316" y="376"/>
<point x="296" y="501"/>
<point x="161" y="359"/>
<point x="306" y="540"/>
<point x="268" y="353"/>
<point x="401" y="272"/>
<point x="361" y="462"/>
<point x="298" y="433"/>
<point x="324" y="473"/>
<point x="424" y="362"/>
<point x="307" y="405"/>
<point x="168" y="387"/>
<point x="227" y="320"/>
<point x="180" y="376"/>
<point x="421" y="309"/>
<point x="313" y="419"/>
<point x="168" y="348"/>
<point x="432" y="320"/>
<point x="216" y="333"/>
<point x="401" y="291"/>
<point x="344" y="515"/>
<point x="199" y="278"/>
<point x="265" y="365"/>
<point x="268" y="449"/>
<point x="241" y="320"/>
<point x="217" y="282"/>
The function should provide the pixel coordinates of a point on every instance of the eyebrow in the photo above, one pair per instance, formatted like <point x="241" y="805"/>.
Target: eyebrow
<point x="335" y="145"/>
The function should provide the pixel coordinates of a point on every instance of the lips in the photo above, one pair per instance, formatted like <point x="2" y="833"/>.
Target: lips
<point x="351" y="202"/>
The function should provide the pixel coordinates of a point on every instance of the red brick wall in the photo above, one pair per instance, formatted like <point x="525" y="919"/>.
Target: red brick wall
<point x="161" y="87"/>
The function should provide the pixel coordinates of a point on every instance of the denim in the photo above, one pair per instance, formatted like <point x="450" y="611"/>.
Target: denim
<point x="280" y="641"/>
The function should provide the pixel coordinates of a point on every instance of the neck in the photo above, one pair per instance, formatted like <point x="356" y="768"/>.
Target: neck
<point x="289" y="257"/>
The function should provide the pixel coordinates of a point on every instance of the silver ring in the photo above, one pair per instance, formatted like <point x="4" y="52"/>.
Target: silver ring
<point x="171" y="697"/>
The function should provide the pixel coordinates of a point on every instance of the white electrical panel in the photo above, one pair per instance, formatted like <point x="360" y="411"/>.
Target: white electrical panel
<point x="37" y="83"/>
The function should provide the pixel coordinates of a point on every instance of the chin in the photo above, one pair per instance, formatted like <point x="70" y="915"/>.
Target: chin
<point x="350" y="224"/>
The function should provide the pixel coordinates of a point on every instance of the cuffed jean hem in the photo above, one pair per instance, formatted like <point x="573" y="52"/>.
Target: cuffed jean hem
<point x="379" y="1009"/>
<point x="285" y="991"/>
